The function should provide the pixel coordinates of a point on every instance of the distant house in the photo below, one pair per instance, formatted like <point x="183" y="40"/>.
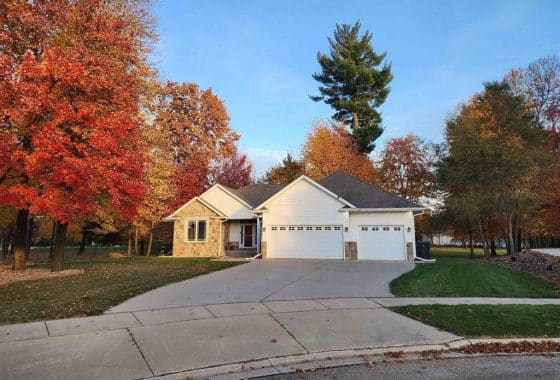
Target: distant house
<point x="339" y="217"/>
<point x="442" y="239"/>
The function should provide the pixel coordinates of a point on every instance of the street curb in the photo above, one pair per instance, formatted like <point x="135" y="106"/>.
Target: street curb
<point x="329" y="359"/>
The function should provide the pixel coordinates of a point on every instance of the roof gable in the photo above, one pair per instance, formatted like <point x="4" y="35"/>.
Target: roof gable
<point x="315" y="184"/>
<point x="363" y="194"/>
<point x="175" y="214"/>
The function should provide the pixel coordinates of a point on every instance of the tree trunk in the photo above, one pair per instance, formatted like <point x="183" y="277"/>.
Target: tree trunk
<point x="51" y="251"/>
<point x="8" y="232"/>
<point x="19" y="239"/>
<point x="149" y="252"/>
<point x="519" y="238"/>
<point x="506" y="240"/>
<point x="136" y="241"/>
<point x="59" y="240"/>
<point x="355" y="121"/>
<point x="483" y="237"/>
<point x="129" y="240"/>
<point x="493" y="247"/>
<point x="29" y="236"/>
<point x="470" y="240"/>
<point x="511" y="240"/>
<point x="83" y="241"/>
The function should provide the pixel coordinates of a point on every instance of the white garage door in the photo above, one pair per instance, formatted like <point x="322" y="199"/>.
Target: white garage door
<point x="305" y="242"/>
<point x="381" y="243"/>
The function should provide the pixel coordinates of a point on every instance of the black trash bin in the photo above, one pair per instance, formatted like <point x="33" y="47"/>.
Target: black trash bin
<point x="423" y="249"/>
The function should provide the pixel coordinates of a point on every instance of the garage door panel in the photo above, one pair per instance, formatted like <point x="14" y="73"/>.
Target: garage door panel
<point x="381" y="242"/>
<point x="305" y="242"/>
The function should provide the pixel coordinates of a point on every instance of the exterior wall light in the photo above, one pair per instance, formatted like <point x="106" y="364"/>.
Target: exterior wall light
<point x="345" y="229"/>
<point x="409" y="229"/>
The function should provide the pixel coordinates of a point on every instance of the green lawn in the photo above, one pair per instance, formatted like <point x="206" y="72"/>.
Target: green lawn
<point x="452" y="276"/>
<point x="105" y="283"/>
<point x="497" y="321"/>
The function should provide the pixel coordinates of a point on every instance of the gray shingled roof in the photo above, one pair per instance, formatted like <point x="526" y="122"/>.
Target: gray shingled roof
<point x="361" y="194"/>
<point x="257" y="193"/>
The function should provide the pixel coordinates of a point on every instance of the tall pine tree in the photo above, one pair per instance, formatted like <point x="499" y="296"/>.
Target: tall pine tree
<point x="354" y="84"/>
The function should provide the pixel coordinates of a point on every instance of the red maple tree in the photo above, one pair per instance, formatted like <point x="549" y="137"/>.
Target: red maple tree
<point x="234" y="171"/>
<point x="70" y="114"/>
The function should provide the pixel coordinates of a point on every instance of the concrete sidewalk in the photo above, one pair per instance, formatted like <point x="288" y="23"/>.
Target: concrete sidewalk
<point x="148" y="343"/>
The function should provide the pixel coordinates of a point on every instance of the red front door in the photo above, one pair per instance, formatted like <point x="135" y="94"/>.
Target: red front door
<point x="247" y="235"/>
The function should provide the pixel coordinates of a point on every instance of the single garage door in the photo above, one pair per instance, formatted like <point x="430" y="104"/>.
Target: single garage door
<point x="305" y="242"/>
<point x="381" y="243"/>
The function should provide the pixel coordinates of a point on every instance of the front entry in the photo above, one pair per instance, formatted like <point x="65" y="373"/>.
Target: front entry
<point x="248" y="235"/>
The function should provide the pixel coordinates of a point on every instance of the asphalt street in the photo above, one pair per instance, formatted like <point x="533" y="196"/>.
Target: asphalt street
<point x="487" y="367"/>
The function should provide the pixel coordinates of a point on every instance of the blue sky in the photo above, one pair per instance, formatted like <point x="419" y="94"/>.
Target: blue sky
<point x="258" y="57"/>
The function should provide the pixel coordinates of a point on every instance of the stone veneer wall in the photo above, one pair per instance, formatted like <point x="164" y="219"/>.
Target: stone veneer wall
<point x="212" y="246"/>
<point x="409" y="252"/>
<point x="350" y="250"/>
<point x="263" y="249"/>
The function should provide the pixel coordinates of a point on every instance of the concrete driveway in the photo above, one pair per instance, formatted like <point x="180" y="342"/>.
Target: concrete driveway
<point x="263" y="310"/>
<point x="270" y="280"/>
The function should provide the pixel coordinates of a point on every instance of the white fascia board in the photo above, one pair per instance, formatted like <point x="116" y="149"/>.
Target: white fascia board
<point x="309" y="180"/>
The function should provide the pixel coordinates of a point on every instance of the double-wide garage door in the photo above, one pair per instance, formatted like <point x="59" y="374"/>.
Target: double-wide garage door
<point x="380" y="242"/>
<point x="305" y="242"/>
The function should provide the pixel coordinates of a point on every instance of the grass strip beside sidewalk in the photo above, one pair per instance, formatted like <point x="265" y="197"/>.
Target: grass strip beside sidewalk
<point x="496" y="321"/>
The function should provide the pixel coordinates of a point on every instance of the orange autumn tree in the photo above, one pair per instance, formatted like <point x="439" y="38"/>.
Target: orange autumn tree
<point x="405" y="168"/>
<point x="331" y="148"/>
<point x="69" y="104"/>
<point x="539" y="85"/>
<point x="196" y="126"/>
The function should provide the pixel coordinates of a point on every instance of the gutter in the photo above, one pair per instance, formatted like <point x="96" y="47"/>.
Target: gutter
<point x="394" y="209"/>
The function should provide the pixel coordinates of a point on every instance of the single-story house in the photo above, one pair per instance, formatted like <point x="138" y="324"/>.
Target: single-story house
<point x="339" y="217"/>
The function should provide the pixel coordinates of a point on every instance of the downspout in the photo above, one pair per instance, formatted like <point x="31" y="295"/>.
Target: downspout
<point x="221" y="245"/>
<point x="259" y="237"/>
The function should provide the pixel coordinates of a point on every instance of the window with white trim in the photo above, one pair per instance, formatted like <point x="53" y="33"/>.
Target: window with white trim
<point x="385" y="228"/>
<point x="195" y="230"/>
<point x="364" y="228"/>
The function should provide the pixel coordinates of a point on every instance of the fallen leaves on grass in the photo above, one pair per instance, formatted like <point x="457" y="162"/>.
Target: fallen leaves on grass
<point x="511" y="347"/>
<point x="8" y="276"/>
